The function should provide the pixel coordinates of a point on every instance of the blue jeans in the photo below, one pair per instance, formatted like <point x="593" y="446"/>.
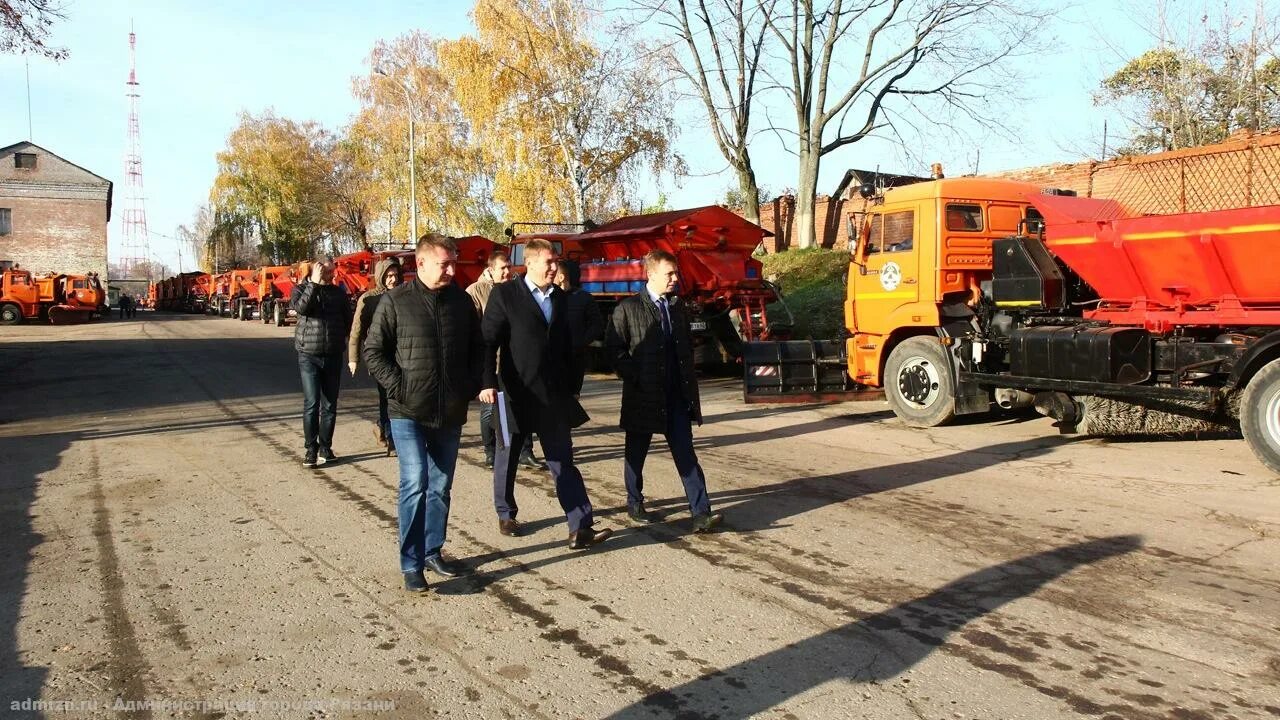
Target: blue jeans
<point x="321" y="379"/>
<point x="427" y="459"/>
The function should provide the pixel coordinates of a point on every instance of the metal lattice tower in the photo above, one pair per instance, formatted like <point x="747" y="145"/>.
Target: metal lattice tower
<point x="135" y="244"/>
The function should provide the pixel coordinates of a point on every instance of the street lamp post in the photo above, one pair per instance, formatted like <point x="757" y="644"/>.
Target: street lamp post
<point x="413" y="182"/>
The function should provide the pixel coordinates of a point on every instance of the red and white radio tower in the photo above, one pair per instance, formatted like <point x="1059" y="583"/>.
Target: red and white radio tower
<point x="136" y="250"/>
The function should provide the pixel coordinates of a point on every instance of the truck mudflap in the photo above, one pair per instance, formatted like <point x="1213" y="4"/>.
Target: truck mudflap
<point x="795" y="371"/>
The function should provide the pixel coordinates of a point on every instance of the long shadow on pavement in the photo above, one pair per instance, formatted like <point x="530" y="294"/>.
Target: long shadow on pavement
<point x="876" y="647"/>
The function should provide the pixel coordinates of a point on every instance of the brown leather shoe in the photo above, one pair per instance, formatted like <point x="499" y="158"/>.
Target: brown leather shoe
<point x="587" y="537"/>
<point x="510" y="528"/>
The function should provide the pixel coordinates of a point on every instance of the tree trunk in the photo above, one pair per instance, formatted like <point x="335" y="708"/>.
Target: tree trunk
<point x="806" y="198"/>
<point x="750" y="193"/>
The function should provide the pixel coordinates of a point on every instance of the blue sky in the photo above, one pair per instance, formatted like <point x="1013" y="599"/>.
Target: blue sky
<point x="200" y="64"/>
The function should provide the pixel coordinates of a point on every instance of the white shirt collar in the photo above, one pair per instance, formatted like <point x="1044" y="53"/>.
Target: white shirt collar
<point x="534" y="288"/>
<point x="652" y="296"/>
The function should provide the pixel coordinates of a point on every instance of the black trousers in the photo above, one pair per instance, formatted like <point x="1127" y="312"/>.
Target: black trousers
<point x="557" y="450"/>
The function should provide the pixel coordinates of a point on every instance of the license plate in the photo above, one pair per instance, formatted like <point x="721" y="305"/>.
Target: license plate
<point x="697" y="326"/>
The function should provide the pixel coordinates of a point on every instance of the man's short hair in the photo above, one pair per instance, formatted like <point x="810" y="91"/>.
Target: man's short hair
<point x="539" y="245"/>
<point x="497" y="255"/>
<point x="654" y="258"/>
<point x="436" y="240"/>
<point x="323" y="258"/>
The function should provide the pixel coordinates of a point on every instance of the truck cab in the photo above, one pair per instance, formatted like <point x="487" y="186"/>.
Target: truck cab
<point x="922" y="253"/>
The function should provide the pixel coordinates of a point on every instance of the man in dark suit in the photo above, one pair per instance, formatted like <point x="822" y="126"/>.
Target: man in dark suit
<point x="525" y="322"/>
<point x="651" y="346"/>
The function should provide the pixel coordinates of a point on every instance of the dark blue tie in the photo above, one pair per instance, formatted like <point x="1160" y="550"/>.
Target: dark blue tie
<point x="666" y="317"/>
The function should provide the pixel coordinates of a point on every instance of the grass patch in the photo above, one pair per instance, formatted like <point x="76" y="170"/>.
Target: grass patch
<point x="813" y="286"/>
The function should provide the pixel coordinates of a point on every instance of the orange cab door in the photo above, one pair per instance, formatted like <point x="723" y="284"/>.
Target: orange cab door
<point x="887" y="284"/>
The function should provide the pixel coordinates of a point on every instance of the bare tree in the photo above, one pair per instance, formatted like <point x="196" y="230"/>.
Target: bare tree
<point x="933" y="58"/>
<point x="717" y="50"/>
<point x="24" y="27"/>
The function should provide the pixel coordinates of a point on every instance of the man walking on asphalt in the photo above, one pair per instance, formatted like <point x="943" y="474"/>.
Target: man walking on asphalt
<point x="425" y="348"/>
<point x="527" y="333"/>
<point x="324" y="317"/>
<point x="498" y="271"/>
<point x="651" y="346"/>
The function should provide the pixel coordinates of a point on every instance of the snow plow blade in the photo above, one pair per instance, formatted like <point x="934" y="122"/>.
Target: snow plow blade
<point x="799" y="371"/>
<point x="69" y="315"/>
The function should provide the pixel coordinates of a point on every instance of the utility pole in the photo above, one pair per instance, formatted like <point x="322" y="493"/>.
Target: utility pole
<point x="413" y="181"/>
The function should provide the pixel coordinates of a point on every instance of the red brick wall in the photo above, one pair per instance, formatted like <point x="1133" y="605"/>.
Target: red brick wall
<point x="1244" y="171"/>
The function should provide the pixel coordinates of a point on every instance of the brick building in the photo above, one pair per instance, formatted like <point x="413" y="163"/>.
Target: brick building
<point x="53" y="213"/>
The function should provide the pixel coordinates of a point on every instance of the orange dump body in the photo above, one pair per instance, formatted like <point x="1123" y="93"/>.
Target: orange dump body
<point x="1160" y="271"/>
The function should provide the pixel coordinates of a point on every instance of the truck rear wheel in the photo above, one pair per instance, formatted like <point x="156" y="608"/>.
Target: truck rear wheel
<point x="918" y="383"/>
<point x="10" y="314"/>
<point x="278" y="310"/>
<point x="1260" y="415"/>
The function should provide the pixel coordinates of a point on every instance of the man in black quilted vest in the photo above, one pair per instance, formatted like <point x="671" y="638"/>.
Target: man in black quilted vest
<point x="651" y="346"/>
<point x="424" y="347"/>
<point x="324" y="318"/>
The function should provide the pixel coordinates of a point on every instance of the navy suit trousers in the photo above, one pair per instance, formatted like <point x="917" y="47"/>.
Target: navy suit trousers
<point x="679" y="437"/>
<point x="557" y="451"/>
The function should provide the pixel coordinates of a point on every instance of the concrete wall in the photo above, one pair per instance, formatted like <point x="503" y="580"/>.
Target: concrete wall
<point x="59" y="214"/>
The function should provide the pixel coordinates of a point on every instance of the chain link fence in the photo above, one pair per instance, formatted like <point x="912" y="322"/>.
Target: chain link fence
<point x="1238" y="173"/>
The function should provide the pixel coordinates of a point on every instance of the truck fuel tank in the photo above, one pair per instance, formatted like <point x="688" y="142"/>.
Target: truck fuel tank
<point x="1081" y="352"/>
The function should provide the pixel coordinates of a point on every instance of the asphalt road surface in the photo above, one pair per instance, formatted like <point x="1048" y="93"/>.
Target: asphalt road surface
<point x="166" y="555"/>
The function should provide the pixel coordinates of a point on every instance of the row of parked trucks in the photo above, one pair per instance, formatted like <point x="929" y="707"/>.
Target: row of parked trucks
<point x="720" y="279"/>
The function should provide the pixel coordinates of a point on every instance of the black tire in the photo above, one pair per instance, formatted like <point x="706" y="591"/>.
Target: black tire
<point x="10" y="314"/>
<point x="1260" y="415"/>
<point x="278" y="310"/>
<point x="918" y="382"/>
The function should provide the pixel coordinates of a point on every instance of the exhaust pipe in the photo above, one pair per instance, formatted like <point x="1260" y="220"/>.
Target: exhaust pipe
<point x="1010" y="399"/>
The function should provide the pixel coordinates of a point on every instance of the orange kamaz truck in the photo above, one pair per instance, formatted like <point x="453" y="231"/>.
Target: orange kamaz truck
<point x="969" y="294"/>
<point x="58" y="298"/>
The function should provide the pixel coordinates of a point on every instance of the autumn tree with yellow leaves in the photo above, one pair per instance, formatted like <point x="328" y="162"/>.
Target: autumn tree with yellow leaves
<point x="295" y="187"/>
<point x="567" y="125"/>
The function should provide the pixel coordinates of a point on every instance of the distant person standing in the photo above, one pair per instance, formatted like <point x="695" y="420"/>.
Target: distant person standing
<point x="498" y="271"/>
<point x="386" y="275"/>
<point x="651" y="346"/>
<point x="425" y="347"/>
<point x="123" y="304"/>
<point x="324" y="317"/>
<point x="527" y="333"/>
<point x="586" y="324"/>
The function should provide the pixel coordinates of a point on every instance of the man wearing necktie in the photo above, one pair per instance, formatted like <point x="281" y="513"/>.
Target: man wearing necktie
<point x="651" y="346"/>
<point x="526" y="326"/>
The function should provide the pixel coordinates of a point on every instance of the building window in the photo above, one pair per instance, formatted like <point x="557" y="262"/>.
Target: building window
<point x="24" y="161"/>
<point x="6" y="221"/>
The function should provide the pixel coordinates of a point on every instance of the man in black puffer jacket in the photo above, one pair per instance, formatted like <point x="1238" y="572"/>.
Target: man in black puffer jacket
<point x="424" y="347"/>
<point x="651" y="346"/>
<point x="324" y="317"/>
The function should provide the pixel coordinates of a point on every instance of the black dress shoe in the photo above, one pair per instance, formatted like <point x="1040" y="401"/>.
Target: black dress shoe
<point x="637" y="513"/>
<point x="510" y="528"/>
<point x="587" y="537"/>
<point x="444" y="568"/>
<point x="415" y="582"/>
<point x="530" y="462"/>
<point x="707" y="523"/>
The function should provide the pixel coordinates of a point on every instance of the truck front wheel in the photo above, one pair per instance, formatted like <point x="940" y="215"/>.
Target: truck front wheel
<point x="1260" y="415"/>
<point x="10" y="314"/>
<point x="918" y="383"/>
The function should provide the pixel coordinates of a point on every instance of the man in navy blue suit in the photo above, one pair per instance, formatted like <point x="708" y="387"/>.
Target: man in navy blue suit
<point x="651" y="345"/>
<point x="526" y="325"/>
